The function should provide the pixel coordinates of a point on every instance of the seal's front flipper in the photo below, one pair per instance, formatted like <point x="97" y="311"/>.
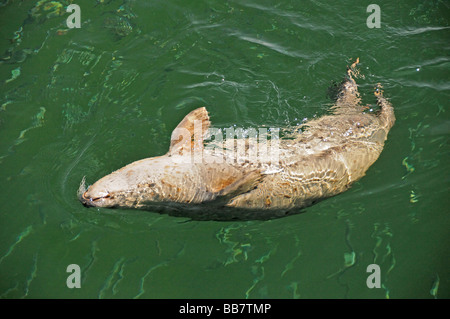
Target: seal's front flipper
<point x="347" y="98"/>
<point x="224" y="182"/>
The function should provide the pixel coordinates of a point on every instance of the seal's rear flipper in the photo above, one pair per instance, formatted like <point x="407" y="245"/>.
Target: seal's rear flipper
<point x="347" y="97"/>
<point x="387" y="111"/>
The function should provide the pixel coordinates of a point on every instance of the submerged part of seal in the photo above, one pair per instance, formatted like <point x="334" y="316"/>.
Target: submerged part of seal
<point x="322" y="159"/>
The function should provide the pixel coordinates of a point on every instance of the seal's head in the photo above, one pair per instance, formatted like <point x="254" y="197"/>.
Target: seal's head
<point x="131" y="186"/>
<point x="96" y="196"/>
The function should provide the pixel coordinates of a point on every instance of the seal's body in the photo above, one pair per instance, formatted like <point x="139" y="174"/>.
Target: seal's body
<point x="322" y="159"/>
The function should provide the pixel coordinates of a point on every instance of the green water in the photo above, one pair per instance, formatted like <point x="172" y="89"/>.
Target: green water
<point x="84" y="102"/>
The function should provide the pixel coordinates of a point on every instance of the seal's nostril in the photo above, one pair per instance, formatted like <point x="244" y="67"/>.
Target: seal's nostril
<point x="85" y="200"/>
<point x="84" y="196"/>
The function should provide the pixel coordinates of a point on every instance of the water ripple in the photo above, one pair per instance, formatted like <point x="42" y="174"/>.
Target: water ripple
<point x="444" y="86"/>
<point x="19" y="238"/>
<point x="272" y="46"/>
<point x="437" y="60"/>
<point x="412" y="31"/>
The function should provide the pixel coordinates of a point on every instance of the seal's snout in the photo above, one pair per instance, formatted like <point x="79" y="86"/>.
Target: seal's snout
<point x="96" y="195"/>
<point x="85" y="200"/>
<point x="90" y="200"/>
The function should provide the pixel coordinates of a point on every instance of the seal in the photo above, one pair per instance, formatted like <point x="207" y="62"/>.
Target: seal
<point x="319" y="159"/>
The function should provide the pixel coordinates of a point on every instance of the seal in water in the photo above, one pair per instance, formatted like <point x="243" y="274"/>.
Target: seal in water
<point x="321" y="159"/>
